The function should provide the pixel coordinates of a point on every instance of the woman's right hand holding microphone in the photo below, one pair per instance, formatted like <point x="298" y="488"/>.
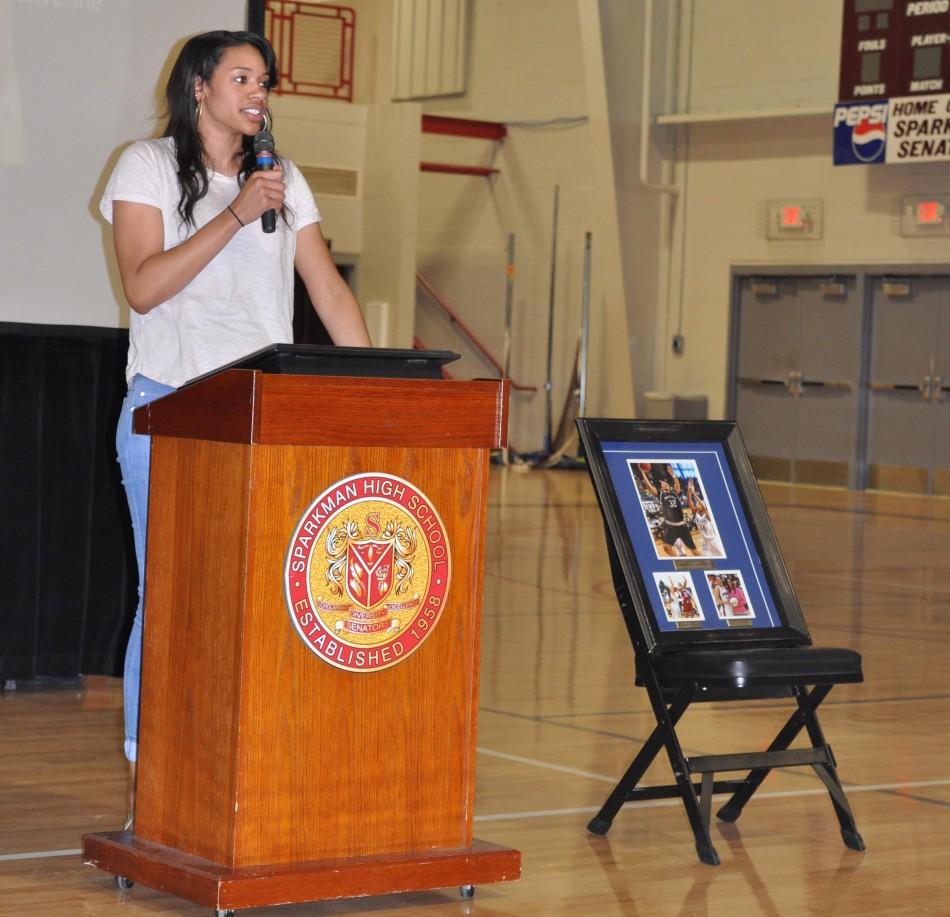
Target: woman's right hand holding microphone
<point x="263" y="191"/>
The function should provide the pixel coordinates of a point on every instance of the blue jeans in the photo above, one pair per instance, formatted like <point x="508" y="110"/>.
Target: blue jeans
<point x="134" y="451"/>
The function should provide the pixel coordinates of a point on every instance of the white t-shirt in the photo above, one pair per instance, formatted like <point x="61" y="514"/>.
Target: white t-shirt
<point x="242" y="301"/>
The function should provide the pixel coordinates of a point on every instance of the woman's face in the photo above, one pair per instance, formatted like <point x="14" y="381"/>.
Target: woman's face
<point x="236" y="95"/>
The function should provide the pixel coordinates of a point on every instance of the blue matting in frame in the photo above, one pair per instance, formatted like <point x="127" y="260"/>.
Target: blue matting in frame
<point x="698" y="560"/>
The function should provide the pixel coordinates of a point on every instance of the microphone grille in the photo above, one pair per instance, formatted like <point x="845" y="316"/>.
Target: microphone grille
<point x="263" y="142"/>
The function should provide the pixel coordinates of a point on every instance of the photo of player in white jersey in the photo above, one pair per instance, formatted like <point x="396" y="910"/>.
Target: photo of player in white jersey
<point x="679" y="598"/>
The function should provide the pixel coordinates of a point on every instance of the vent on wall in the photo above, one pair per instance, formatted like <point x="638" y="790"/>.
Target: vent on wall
<point x="324" y="180"/>
<point x="429" y="41"/>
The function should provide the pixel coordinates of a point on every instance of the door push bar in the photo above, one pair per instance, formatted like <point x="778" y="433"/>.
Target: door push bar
<point x="796" y="384"/>
<point x="931" y="388"/>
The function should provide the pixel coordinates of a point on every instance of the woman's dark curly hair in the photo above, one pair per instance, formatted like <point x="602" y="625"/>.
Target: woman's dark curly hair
<point x="198" y="60"/>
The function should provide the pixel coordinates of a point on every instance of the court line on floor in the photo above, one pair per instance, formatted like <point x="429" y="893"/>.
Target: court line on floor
<point x="798" y="774"/>
<point x="713" y="705"/>
<point x="39" y="855"/>
<point x="546" y="765"/>
<point x="851" y="511"/>
<point x="663" y="803"/>
<point x="573" y="726"/>
<point x="893" y="788"/>
<point x="804" y="775"/>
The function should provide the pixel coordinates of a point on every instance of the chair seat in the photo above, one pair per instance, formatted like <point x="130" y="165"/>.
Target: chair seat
<point x="759" y="667"/>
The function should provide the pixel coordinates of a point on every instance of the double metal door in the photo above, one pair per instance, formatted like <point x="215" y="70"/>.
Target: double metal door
<point x="798" y="377"/>
<point x="909" y="385"/>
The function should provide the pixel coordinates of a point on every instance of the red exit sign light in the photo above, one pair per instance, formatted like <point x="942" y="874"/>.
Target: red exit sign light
<point x="792" y="217"/>
<point x="930" y="213"/>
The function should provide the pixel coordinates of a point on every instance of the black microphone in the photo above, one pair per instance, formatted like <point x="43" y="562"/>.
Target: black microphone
<point x="264" y="151"/>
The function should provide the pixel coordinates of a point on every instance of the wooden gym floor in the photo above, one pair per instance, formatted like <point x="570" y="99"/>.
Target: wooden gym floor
<point x="560" y="720"/>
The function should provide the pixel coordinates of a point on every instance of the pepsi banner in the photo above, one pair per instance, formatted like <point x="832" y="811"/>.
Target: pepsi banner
<point x="894" y="132"/>
<point x="860" y="133"/>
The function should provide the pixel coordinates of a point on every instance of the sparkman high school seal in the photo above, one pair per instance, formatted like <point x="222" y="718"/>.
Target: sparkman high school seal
<point x="367" y="572"/>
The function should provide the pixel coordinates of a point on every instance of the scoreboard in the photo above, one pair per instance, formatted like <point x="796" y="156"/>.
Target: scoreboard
<point x="894" y="48"/>
<point x="894" y="82"/>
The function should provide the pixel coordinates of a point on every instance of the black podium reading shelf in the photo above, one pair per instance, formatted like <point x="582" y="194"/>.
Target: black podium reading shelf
<point x="326" y="360"/>
<point x="710" y="611"/>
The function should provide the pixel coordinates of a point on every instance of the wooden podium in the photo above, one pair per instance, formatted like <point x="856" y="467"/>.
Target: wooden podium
<point x="268" y="775"/>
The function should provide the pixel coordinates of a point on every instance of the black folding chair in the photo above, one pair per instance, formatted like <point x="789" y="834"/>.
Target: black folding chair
<point x="678" y="668"/>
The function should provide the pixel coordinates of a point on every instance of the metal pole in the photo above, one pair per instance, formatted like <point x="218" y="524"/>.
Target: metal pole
<point x="509" y="291"/>
<point x="585" y="329"/>
<point x="548" y="418"/>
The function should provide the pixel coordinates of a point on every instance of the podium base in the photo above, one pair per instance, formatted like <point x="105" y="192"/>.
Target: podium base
<point x="228" y="888"/>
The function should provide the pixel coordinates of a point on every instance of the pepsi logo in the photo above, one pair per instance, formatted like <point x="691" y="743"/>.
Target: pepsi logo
<point x="868" y="139"/>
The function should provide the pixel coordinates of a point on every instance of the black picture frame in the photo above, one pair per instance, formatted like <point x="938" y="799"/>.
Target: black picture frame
<point x="635" y="465"/>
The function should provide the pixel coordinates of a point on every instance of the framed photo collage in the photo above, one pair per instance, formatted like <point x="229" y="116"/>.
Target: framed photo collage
<point x="691" y="531"/>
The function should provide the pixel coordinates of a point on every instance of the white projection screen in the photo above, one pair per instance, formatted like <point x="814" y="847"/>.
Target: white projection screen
<point x="79" y="80"/>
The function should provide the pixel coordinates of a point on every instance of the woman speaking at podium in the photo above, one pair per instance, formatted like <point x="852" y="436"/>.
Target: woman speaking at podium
<point x="206" y="283"/>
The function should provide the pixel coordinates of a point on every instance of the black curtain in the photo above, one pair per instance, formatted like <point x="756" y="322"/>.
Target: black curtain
<point x="67" y="564"/>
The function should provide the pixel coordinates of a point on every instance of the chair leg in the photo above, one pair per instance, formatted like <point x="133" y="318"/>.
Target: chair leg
<point x="705" y="798"/>
<point x="807" y="704"/>
<point x="704" y="846"/>
<point x="601" y="822"/>
<point x="829" y="776"/>
<point x="849" y="829"/>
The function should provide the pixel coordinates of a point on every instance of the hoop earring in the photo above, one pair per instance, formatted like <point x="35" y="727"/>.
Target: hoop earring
<point x="268" y="119"/>
<point x="197" y="111"/>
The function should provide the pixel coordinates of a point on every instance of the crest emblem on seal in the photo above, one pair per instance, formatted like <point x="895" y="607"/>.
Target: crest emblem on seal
<point x="369" y="566"/>
<point x="367" y="572"/>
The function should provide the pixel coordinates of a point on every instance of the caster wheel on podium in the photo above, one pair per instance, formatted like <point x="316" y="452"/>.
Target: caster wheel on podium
<point x="467" y="891"/>
<point x="122" y="883"/>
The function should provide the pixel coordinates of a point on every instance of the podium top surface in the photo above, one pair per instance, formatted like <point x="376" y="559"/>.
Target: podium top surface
<point x="258" y="408"/>
<point x="324" y="360"/>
